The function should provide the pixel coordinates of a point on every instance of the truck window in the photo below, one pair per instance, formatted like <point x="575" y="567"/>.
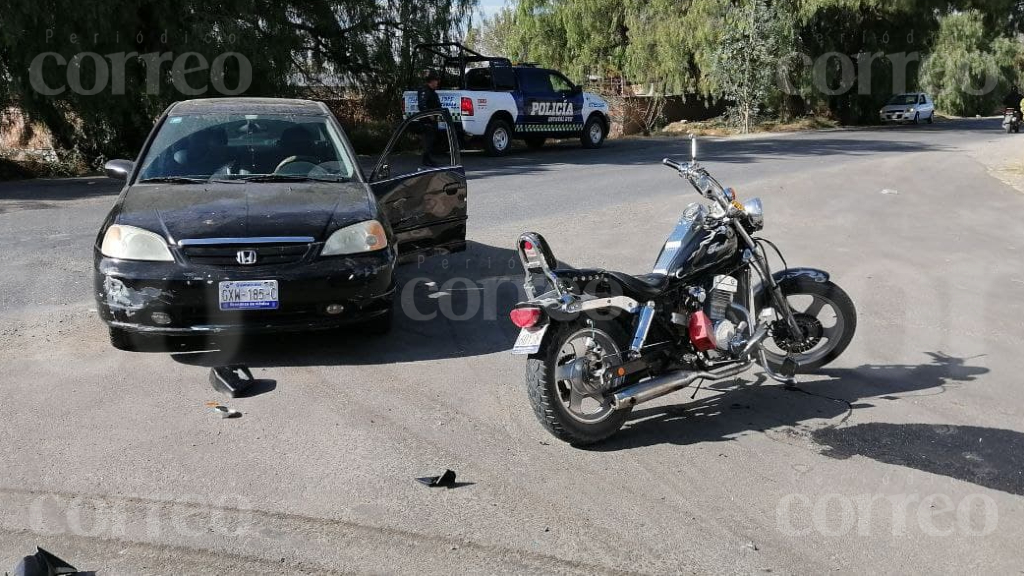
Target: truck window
<point x="504" y="78"/>
<point x="534" y="81"/>
<point x="478" y="79"/>
<point x="559" y="82"/>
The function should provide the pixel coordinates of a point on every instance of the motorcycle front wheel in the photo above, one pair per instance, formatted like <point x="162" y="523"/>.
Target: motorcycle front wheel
<point x="563" y="382"/>
<point x="828" y="321"/>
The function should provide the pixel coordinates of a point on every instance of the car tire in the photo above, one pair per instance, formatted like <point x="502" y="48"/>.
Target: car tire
<point x="544" y="392"/>
<point x="594" y="132"/>
<point x="931" y="118"/>
<point x="122" y="340"/>
<point x="917" y="118"/>
<point x="535" y="142"/>
<point x="498" y="138"/>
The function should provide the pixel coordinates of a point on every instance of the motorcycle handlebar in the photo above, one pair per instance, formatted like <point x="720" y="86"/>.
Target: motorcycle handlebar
<point x="671" y="164"/>
<point x="714" y="192"/>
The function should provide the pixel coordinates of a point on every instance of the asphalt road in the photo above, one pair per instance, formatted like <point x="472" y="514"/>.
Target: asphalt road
<point x="906" y="455"/>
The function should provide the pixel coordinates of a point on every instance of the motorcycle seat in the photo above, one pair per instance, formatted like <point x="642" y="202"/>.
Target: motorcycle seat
<point x="645" y="286"/>
<point x="637" y="287"/>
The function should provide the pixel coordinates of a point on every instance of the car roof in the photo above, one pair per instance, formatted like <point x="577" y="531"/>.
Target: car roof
<point x="249" y="106"/>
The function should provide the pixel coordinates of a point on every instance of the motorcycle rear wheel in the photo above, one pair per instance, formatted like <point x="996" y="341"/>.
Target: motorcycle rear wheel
<point x="828" y="317"/>
<point x="571" y="414"/>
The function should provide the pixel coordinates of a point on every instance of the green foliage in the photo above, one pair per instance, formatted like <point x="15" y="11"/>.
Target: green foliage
<point x="356" y="45"/>
<point x="705" y="46"/>
<point x="969" y="73"/>
<point x="744" y="65"/>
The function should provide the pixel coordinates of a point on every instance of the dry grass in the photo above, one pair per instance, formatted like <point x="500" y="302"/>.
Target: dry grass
<point x="717" y="127"/>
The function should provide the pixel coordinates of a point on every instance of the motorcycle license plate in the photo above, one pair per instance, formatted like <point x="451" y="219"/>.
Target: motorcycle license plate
<point x="529" y="340"/>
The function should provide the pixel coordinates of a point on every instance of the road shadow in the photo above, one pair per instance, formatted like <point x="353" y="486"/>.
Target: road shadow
<point x="650" y="151"/>
<point x="749" y="408"/>
<point x="447" y="307"/>
<point x="52" y="192"/>
<point x="989" y="457"/>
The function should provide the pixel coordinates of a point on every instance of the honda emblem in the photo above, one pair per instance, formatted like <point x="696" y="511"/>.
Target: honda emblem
<point x="246" y="257"/>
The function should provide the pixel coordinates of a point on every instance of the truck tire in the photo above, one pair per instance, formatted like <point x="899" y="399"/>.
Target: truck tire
<point x="498" y="138"/>
<point x="535" y="142"/>
<point x="594" y="132"/>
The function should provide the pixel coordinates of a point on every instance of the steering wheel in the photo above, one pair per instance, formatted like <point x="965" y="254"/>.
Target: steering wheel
<point x="300" y="165"/>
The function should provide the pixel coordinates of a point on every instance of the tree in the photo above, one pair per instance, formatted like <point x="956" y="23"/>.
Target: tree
<point x="363" y="45"/>
<point x="968" y="73"/>
<point x="754" y="40"/>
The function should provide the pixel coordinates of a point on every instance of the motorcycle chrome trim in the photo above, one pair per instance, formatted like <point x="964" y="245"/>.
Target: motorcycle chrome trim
<point x="622" y="302"/>
<point x="790" y="381"/>
<point x="658" y="387"/>
<point x="643" y="326"/>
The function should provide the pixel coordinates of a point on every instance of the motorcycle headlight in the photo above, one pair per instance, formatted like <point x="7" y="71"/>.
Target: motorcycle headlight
<point x="362" y="237"/>
<point x="755" y="212"/>
<point x="131" y="243"/>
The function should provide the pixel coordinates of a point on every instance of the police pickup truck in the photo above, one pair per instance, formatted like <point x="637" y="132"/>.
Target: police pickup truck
<point x="494" y="102"/>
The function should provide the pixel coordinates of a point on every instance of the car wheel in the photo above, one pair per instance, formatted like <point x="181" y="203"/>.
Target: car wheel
<point x="123" y="340"/>
<point x="535" y="142"/>
<point x="593" y="132"/>
<point x="917" y="118"/>
<point x="498" y="138"/>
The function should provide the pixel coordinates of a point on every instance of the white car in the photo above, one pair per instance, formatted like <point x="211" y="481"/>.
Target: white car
<point x="911" y="107"/>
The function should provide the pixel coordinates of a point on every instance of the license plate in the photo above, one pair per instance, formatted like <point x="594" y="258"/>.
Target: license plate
<point x="529" y="340"/>
<point x="249" y="295"/>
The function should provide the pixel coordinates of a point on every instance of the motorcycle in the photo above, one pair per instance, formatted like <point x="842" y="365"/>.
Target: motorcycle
<point x="1012" y="120"/>
<point x="600" y="343"/>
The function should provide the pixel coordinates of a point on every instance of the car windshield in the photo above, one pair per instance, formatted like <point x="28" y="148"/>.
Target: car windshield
<point x="201" y="147"/>
<point x="903" y="99"/>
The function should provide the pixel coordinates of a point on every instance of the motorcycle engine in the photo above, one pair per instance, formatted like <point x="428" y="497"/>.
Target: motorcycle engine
<point x="722" y="291"/>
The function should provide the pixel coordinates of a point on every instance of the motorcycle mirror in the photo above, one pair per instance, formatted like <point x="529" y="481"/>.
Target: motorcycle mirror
<point x="693" y="148"/>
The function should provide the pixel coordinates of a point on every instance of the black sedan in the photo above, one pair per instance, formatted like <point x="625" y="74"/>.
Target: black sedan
<point x="253" y="215"/>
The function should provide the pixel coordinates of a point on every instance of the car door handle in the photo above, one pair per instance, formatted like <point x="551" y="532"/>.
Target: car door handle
<point x="451" y="189"/>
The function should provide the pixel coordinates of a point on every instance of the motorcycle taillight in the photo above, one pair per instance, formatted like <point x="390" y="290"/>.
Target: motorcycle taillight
<point x="702" y="333"/>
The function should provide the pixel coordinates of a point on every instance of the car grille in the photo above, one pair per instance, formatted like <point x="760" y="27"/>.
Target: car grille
<point x="227" y="255"/>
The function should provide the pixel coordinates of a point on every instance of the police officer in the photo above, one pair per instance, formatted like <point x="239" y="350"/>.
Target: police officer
<point x="428" y="101"/>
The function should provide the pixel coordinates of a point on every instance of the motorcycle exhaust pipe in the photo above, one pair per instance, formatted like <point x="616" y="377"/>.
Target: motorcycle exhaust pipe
<point x="658" y="387"/>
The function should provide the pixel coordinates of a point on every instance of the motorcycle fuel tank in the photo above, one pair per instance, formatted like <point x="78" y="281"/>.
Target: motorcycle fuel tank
<point x="693" y="248"/>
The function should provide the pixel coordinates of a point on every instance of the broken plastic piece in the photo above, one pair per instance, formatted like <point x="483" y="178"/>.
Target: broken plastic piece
<point x="43" y="563"/>
<point x="231" y="380"/>
<point x="225" y="412"/>
<point x="446" y="480"/>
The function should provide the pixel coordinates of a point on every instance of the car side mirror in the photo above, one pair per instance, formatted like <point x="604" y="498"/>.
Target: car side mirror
<point x="118" y="169"/>
<point x="384" y="173"/>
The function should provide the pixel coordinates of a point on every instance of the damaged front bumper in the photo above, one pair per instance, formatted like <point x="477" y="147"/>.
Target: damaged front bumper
<point x="174" y="299"/>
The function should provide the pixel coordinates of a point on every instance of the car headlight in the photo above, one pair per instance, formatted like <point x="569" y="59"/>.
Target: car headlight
<point x="362" y="237"/>
<point x="910" y="109"/>
<point x="755" y="212"/>
<point x="131" y="243"/>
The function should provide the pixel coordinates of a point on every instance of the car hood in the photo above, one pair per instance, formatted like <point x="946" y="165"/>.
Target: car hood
<point x="245" y="210"/>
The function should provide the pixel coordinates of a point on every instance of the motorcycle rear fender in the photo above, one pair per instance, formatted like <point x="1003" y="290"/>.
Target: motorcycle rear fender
<point x="561" y="309"/>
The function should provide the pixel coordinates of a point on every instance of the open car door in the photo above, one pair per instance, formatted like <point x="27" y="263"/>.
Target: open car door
<point x="420" y="184"/>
